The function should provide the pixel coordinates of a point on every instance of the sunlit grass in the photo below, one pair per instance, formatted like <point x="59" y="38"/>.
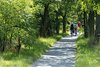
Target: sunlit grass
<point x="49" y="41"/>
<point x="28" y="55"/>
<point x="14" y="60"/>
<point x="87" y="56"/>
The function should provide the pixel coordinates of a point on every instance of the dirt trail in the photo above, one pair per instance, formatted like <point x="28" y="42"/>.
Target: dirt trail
<point x="61" y="55"/>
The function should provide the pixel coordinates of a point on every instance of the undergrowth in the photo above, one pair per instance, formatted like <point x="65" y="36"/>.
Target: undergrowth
<point x="88" y="54"/>
<point x="28" y="55"/>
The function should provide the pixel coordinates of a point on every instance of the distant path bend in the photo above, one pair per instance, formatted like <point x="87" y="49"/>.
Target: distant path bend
<point x="61" y="55"/>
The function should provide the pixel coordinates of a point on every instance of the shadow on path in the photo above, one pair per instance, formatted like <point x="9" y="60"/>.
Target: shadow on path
<point x="61" y="55"/>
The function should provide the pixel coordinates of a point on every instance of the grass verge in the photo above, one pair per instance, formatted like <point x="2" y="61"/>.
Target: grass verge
<point x="28" y="55"/>
<point x="87" y="55"/>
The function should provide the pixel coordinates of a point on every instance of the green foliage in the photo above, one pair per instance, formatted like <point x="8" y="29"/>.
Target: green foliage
<point x="24" y="19"/>
<point x="16" y="21"/>
<point x="27" y="55"/>
<point x="87" y="5"/>
<point x="87" y="56"/>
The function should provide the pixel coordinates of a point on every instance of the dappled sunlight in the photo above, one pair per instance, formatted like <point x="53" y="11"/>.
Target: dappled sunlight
<point x="32" y="31"/>
<point x="70" y="37"/>
<point x="62" y="54"/>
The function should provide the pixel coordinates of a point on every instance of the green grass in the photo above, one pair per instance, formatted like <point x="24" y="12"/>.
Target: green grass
<point x="87" y="54"/>
<point x="9" y="59"/>
<point x="28" y="55"/>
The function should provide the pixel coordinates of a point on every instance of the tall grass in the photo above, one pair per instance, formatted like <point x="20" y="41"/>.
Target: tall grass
<point x="28" y="55"/>
<point x="87" y="55"/>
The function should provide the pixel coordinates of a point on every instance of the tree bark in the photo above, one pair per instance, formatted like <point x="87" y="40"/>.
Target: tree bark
<point x="64" y="23"/>
<point x="18" y="47"/>
<point x="57" y="23"/>
<point x="91" y="23"/>
<point x="85" y="25"/>
<point x="97" y="33"/>
<point x="4" y="44"/>
<point x="44" y="23"/>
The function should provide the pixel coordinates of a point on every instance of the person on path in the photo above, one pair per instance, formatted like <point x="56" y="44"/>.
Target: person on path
<point x="75" y="29"/>
<point x="79" y="24"/>
<point x="72" y="29"/>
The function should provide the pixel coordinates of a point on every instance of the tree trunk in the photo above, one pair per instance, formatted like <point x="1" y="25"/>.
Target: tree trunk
<point x="97" y="33"/>
<point x="57" y="23"/>
<point x="50" y="28"/>
<point x="91" y="23"/>
<point x="44" y="25"/>
<point x="18" y="47"/>
<point x="85" y="25"/>
<point x="4" y="44"/>
<point x="64" y="23"/>
<point x="10" y="40"/>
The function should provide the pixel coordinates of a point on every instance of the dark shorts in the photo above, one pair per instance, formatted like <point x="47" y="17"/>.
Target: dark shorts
<point x="72" y="31"/>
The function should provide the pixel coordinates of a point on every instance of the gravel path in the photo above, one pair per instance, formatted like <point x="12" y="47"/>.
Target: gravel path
<point x="61" y="55"/>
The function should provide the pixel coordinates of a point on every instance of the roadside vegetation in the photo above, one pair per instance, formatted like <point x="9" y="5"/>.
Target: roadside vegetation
<point x="29" y="27"/>
<point x="88" y="54"/>
<point x="27" y="55"/>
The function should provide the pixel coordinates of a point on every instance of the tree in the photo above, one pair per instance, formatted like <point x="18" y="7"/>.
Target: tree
<point x="89" y="14"/>
<point x="45" y="23"/>
<point x="66" y="7"/>
<point x="15" y="23"/>
<point x="97" y="28"/>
